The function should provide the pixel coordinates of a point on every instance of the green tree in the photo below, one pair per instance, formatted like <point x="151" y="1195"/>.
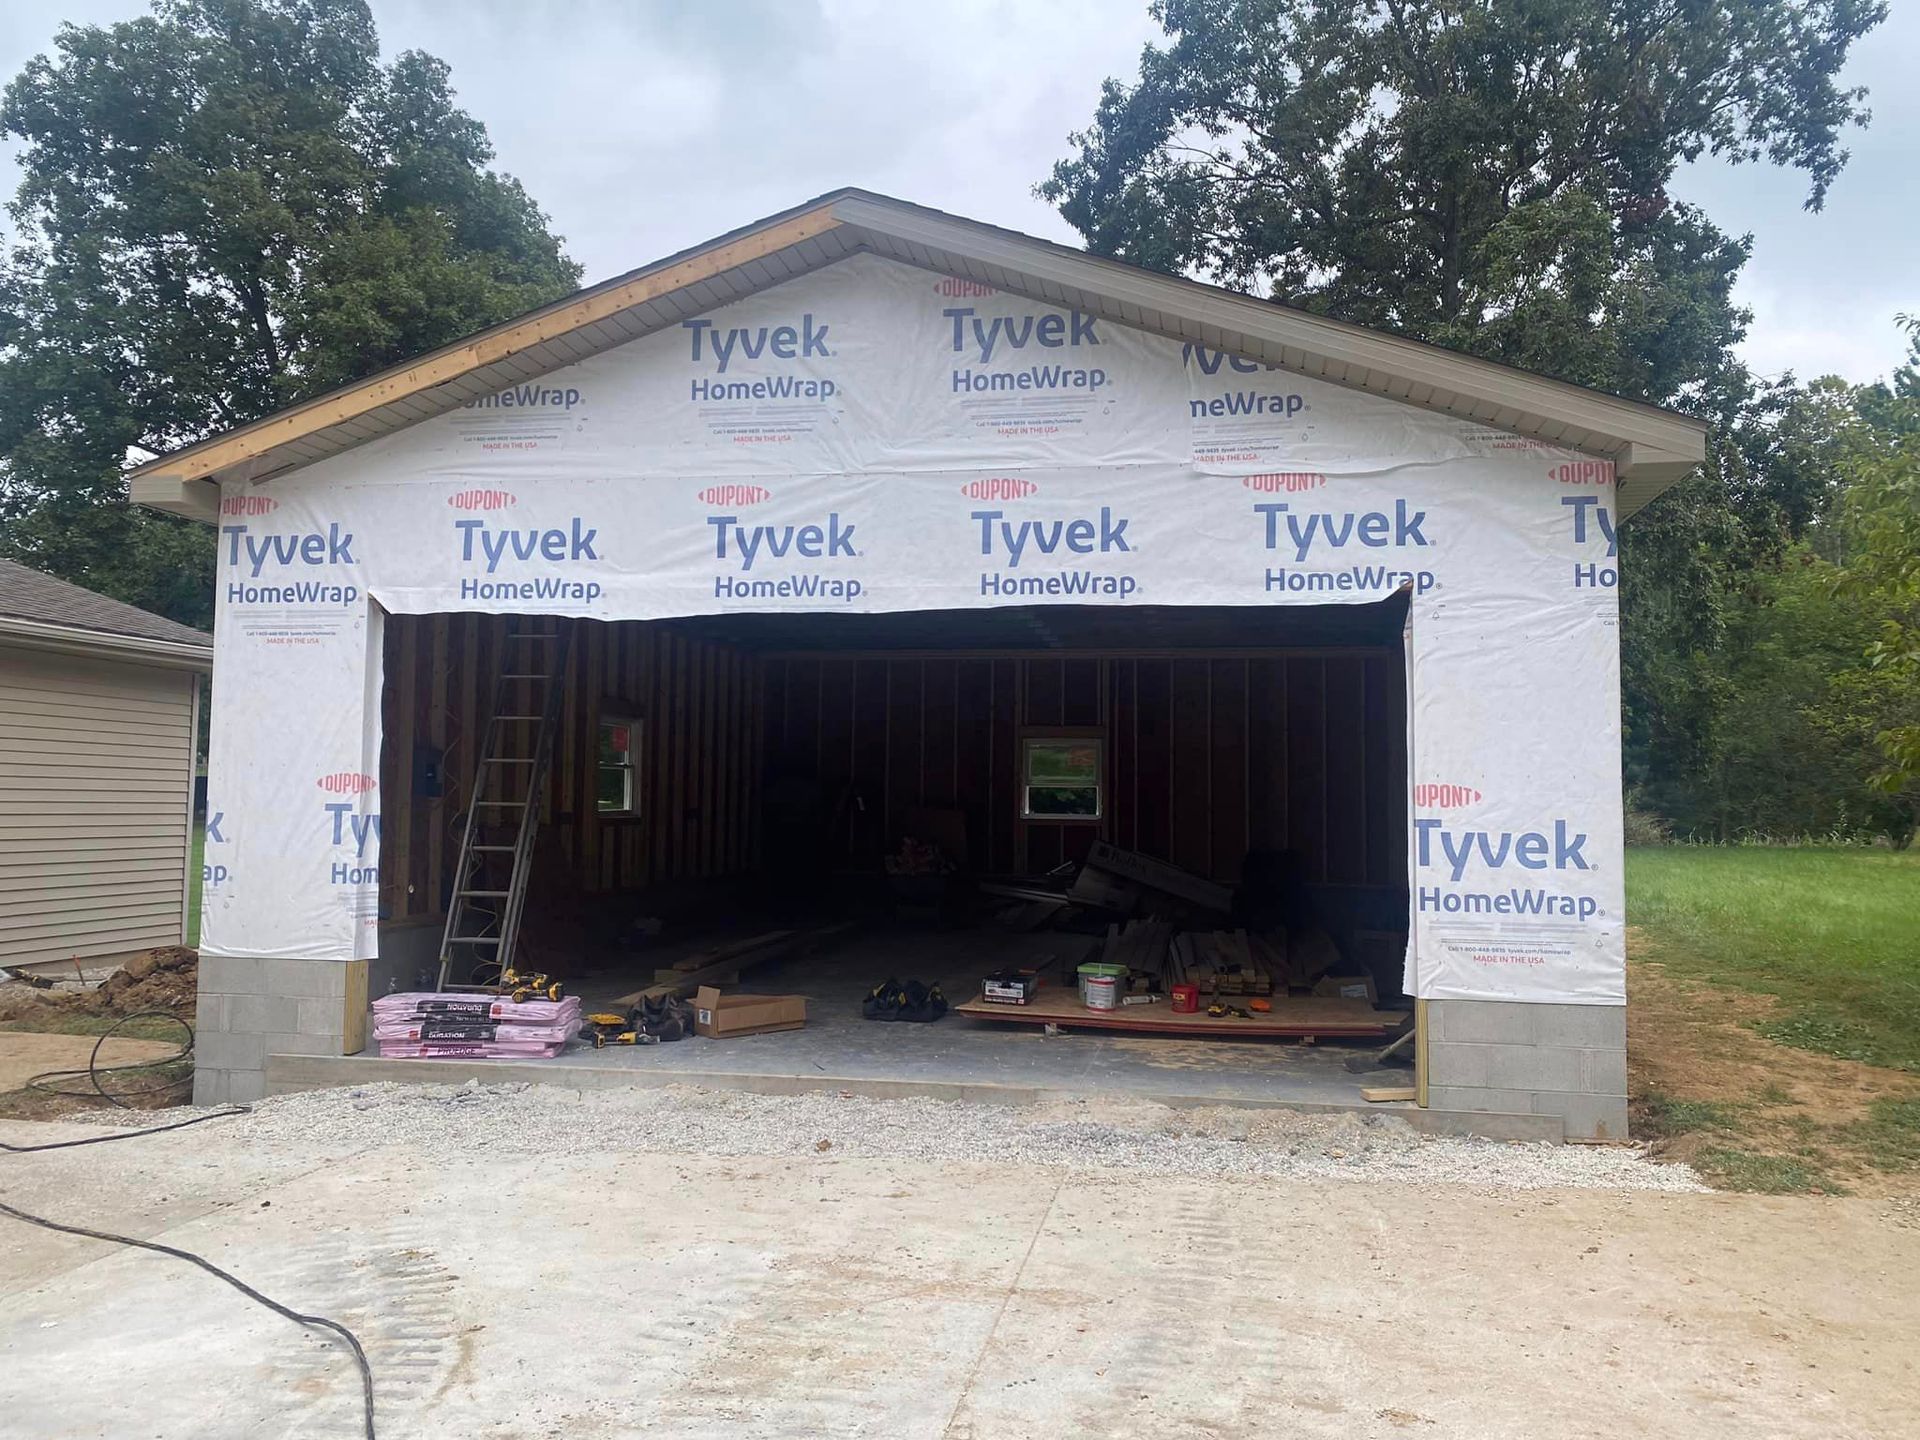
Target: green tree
<point x="1492" y="175"/>
<point x="1806" y="754"/>
<point x="227" y="206"/>
<point x="1881" y="519"/>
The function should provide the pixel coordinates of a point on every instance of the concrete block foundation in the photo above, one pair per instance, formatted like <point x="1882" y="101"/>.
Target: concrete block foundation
<point x="249" y="1009"/>
<point x="1530" y="1059"/>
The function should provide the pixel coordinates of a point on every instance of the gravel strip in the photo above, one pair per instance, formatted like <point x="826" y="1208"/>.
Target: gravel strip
<point x="436" y="1122"/>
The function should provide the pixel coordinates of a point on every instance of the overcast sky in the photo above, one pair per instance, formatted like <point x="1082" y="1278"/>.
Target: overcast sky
<point x="645" y="126"/>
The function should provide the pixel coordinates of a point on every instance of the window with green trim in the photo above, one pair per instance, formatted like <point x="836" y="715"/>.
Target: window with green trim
<point x="1063" y="777"/>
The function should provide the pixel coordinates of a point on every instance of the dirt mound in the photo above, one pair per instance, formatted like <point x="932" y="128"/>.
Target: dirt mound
<point x="164" y="979"/>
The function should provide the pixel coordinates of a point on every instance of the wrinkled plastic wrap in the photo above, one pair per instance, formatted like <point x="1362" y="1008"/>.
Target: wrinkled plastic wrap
<point x="873" y="437"/>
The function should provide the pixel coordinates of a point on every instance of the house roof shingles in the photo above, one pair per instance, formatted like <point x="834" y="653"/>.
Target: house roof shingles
<point x="27" y="594"/>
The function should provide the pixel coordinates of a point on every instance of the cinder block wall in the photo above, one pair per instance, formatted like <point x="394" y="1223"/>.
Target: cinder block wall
<point x="1531" y="1059"/>
<point x="250" y="1009"/>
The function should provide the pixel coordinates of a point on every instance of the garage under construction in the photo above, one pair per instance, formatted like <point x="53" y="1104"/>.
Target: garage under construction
<point x="1111" y="682"/>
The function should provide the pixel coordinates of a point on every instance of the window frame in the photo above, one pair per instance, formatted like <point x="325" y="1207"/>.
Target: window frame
<point x="1029" y="736"/>
<point x="631" y="768"/>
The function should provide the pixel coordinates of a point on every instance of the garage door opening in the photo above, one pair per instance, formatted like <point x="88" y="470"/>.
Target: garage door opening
<point x="814" y="804"/>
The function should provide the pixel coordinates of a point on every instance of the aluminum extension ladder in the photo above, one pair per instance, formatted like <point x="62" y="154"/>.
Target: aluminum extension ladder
<point x="516" y="753"/>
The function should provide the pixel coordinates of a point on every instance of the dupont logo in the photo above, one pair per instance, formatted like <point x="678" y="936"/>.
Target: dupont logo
<point x="248" y="505"/>
<point x="482" y="500"/>
<point x="954" y="288"/>
<point x="1445" y="797"/>
<point x="1288" y="482"/>
<point x="346" y="782"/>
<point x="1583" y="472"/>
<point x="999" y="487"/>
<point x="734" y="495"/>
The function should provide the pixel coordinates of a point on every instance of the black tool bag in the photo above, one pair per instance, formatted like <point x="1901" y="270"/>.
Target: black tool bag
<point x="667" y="1018"/>
<point x="912" y="1001"/>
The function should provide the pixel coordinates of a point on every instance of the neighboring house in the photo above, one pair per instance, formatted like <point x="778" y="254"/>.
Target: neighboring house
<point x="99" y="714"/>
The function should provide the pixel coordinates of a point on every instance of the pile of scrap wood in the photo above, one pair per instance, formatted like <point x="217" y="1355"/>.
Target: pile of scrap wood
<point x="1159" y="954"/>
<point x="1025" y="909"/>
<point x="1111" y="882"/>
<point x="1145" y="948"/>
<point x="1169" y="926"/>
<point x="1228" y="962"/>
<point x="1136" y="884"/>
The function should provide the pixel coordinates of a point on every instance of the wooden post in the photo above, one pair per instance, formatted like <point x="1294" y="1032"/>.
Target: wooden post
<point x="1420" y="1053"/>
<point x="353" y="1015"/>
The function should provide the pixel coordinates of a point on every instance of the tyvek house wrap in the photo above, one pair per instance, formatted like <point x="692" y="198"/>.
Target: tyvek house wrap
<point x="874" y="437"/>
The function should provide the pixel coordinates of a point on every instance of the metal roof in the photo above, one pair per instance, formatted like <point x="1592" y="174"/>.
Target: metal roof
<point x="1652" y="448"/>
<point x="35" y="603"/>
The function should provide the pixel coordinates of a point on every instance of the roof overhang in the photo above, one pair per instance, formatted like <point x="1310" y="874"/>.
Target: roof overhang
<point x="104" y="645"/>
<point x="1651" y="448"/>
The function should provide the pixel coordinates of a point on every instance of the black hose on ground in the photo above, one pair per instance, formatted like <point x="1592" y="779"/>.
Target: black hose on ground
<point x="314" y="1322"/>
<point x="93" y="1072"/>
<point x="49" y="1082"/>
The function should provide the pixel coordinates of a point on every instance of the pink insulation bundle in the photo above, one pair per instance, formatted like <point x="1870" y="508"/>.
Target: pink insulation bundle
<point x="456" y="1026"/>
<point x="471" y="1050"/>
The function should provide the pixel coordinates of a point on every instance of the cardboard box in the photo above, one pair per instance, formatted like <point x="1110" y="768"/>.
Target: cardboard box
<point x="723" y="1017"/>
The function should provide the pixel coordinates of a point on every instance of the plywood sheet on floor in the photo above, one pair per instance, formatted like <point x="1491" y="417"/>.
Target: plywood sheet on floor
<point x="1292" y="1018"/>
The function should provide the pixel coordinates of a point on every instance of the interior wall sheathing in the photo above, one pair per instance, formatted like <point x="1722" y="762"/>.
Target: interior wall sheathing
<point x="1207" y="757"/>
<point x="697" y="778"/>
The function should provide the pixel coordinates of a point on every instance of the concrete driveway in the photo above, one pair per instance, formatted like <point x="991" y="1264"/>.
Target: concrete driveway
<point x="638" y="1291"/>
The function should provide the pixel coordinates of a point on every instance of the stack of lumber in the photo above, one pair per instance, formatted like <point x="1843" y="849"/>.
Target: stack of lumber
<point x="1227" y="962"/>
<point x="1143" y="946"/>
<point x="723" y="964"/>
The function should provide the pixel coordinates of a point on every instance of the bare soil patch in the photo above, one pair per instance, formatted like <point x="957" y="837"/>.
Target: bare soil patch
<point x="165" y="980"/>
<point x="1706" y="1087"/>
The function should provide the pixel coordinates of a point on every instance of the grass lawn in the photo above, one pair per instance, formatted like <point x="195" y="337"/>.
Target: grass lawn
<point x="1834" y="933"/>
<point x="1739" y="951"/>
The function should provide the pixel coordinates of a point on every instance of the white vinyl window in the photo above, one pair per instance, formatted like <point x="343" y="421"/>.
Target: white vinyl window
<point x="617" y="787"/>
<point x="1062" y="777"/>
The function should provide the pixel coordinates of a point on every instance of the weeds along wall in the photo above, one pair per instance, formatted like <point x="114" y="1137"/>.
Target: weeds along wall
<point x="874" y="437"/>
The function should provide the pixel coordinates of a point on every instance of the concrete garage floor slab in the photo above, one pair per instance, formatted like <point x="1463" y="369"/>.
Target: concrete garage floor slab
<point x="957" y="1050"/>
<point x="953" y="1058"/>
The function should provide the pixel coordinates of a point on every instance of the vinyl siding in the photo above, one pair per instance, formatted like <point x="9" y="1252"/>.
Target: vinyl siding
<point x="96" y="766"/>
